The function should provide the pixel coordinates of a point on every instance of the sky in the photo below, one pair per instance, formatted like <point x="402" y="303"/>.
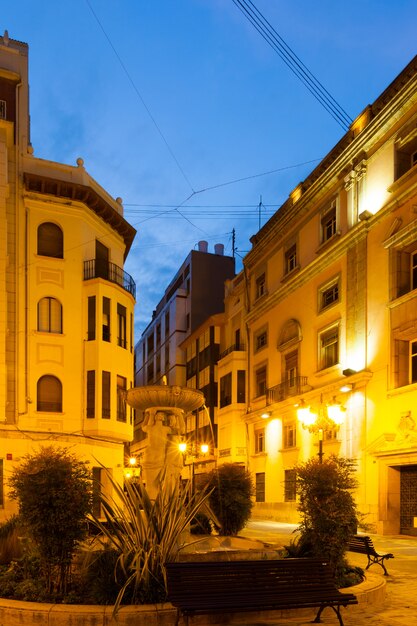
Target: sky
<point x="183" y="110"/>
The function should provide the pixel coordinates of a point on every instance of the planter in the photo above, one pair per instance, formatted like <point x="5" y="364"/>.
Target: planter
<point x="16" y="613"/>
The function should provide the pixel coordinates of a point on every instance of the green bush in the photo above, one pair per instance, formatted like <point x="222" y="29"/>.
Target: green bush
<point x="328" y="511"/>
<point x="231" y="497"/>
<point x="53" y="489"/>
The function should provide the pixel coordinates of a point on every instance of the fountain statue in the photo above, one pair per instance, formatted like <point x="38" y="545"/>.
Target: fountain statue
<point x="165" y="408"/>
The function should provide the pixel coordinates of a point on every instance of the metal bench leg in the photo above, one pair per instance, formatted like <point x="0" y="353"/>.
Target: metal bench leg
<point x="336" y="609"/>
<point x="378" y="561"/>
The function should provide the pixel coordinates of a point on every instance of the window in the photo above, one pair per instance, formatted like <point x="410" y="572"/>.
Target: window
<point x="121" y="326"/>
<point x="328" y="224"/>
<point x="3" y="109"/>
<point x="241" y="386"/>
<point x="226" y="390"/>
<point x="166" y="325"/>
<point x="50" y="240"/>
<point x="290" y="485"/>
<point x="289" y="435"/>
<point x="291" y="259"/>
<point x="260" y="487"/>
<point x="406" y="156"/>
<point x="49" y="316"/>
<point x="260" y="286"/>
<point x="204" y="378"/>
<point x="291" y="371"/>
<point x="413" y="273"/>
<point x="49" y="394"/>
<point x="106" y="319"/>
<point x="158" y="334"/>
<point x="260" y="381"/>
<point x="329" y="347"/>
<point x="121" y="398"/>
<point x="91" y="394"/>
<point x="105" y="394"/>
<point x="261" y="339"/>
<point x="328" y="294"/>
<point x="91" y="332"/>
<point x="413" y="361"/>
<point x="259" y="435"/>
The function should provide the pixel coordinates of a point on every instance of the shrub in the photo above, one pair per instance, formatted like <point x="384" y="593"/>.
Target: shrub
<point x="231" y="497"/>
<point x="328" y="511"/>
<point x="145" y="534"/>
<point x="53" y="489"/>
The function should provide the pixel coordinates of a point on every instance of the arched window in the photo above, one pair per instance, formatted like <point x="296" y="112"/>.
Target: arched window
<point x="50" y="240"/>
<point x="49" y="315"/>
<point x="49" y="394"/>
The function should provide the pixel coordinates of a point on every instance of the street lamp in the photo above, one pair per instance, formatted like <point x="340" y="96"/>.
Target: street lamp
<point x="193" y="450"/>
<point x="328" y="417"/>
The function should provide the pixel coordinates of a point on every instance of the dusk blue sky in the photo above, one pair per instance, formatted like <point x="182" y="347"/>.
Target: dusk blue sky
<point x="163" y="99"/>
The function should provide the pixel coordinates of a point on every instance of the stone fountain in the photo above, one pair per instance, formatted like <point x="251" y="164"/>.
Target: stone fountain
<point x="165" y="408"/>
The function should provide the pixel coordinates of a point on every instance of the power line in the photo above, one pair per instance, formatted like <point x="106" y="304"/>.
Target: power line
<point x="147" y="109"/>
<point x="268" y="32"/>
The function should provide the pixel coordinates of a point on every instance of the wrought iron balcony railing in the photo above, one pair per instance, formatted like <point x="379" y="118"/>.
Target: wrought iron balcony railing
<point x="95" y="268"/>
<point x="236" y="347"/>
<point x="286" y="389"/>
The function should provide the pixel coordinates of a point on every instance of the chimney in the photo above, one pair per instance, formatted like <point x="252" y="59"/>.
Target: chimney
<point x="202" y="246"/>
<point x="219" y="249"/>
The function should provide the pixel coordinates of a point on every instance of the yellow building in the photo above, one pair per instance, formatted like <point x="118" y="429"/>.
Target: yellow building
<point x="324" y="318"/>
<point x="66" y="304"/>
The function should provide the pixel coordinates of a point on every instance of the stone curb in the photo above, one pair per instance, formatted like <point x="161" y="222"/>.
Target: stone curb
<point x="16" y="612"/>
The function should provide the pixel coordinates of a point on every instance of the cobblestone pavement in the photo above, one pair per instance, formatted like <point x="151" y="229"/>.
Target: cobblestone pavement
<point x="399" y="607"/>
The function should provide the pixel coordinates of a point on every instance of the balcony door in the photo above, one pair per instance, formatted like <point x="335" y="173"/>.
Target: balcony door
<point x="102" y="260"/>
<point x="291" y="372"/>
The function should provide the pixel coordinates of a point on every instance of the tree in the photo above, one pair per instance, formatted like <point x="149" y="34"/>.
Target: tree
<point x="231" y="497"/>
<point x="329" y="515"/>
<point x="53" y="490"/>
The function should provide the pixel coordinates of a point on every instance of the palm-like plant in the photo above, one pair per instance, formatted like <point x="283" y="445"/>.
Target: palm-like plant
<point x="146" y="534"/>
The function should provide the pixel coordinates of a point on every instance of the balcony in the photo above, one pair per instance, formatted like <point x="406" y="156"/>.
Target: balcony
<point x="236" y="347"/>
<point x="286" y="389"/>
<point x="95" y="268"/>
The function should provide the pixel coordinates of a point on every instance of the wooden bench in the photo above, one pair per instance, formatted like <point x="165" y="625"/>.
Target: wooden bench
<point x="206" y="587"/>
<point x="363" y="544"/>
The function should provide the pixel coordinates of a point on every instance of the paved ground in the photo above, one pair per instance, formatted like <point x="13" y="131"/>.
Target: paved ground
<point x="400" y="605"/>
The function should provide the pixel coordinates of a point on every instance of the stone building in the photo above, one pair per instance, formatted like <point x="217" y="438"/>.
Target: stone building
<point x="66" y="304"/>
<point x="322" y="324"/>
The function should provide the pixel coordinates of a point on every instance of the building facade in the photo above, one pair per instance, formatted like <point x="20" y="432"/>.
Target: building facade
<point x="324" y="317"/>
<point x="164" y="350"/>
<point x="66" y="304"/>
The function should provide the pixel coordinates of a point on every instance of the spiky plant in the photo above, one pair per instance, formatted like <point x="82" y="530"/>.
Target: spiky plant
<point x="146" y="534"/>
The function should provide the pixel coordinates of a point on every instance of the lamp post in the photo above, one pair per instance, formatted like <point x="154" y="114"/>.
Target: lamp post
<point x="193" y="450"/>
<point x="328" y="417"/>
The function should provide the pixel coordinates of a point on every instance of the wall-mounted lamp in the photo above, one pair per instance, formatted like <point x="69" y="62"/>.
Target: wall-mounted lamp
<point x="348" y="372"/>
<point x="266" y="414"/>
<point x="346" y="388"/>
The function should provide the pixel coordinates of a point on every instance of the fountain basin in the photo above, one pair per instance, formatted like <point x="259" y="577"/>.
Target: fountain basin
<point x="165" y="396"/>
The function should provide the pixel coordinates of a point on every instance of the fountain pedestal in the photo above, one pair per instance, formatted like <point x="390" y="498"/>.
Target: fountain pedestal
<point x="165" y="409"/>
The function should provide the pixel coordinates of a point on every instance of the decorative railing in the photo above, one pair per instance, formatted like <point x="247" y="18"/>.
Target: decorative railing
<point x="95" y="268"/>
<point x="236" y="347"/>
<point x="286" y="389"/>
